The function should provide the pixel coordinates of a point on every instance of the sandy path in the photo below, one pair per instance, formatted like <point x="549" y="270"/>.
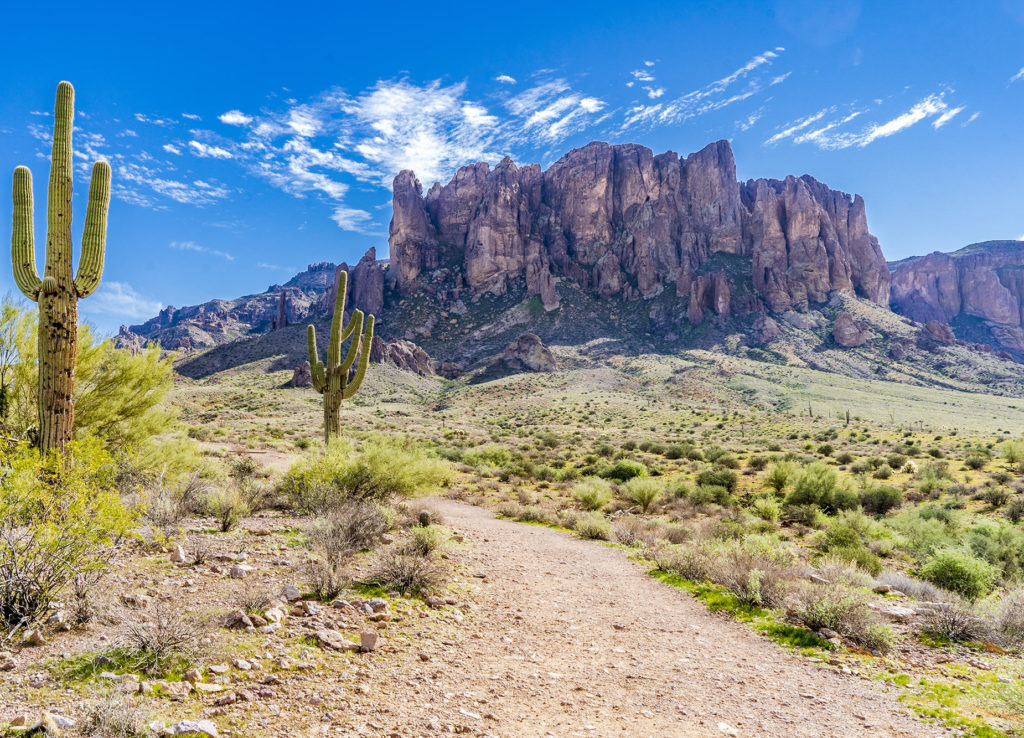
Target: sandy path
<point x="572" y="638"/>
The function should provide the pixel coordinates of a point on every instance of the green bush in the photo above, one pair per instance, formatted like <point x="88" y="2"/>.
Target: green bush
<point x="780" y="475"/>
<point x="878" y="499"/>
<point x="428" y="539"/>
<point x="766" y="508"/>
<point x="959" y="571"/>
<point x="60" y="519"/>
<point x="625" y="469"/>
<point x="843" y="610"/>
<point x="818" y="484"/>
<point x="594" y="526"/>
<point x="642" y="491"/>
<point x="383" y="468"/>
<point x="706" y="494"/>
<point x="718" y="477"/>
<point x="593" y="493"/>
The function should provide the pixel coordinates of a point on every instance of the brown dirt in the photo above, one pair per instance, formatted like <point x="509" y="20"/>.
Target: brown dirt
<point x="573" y="638"/>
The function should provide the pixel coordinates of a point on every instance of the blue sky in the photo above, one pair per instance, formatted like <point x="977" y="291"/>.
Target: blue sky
<point x="249" y="140"/>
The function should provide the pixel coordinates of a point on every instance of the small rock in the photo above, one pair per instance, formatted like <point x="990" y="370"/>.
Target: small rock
<point x="195" y="727"/>
<point x="34" y="637"/>
<point x="220" y="668"/>
<point x="273" y="615"/>
<point x="433" y="601"/>
<point x="311" y="608"/>
<point x="334" y="640"/>
<point x="178" y="555"/>
<point x="240" y="571"/>
<point x="208" y="688"/>
<point x="882" y="589"/>
<point x="289" y="593"/>
<point x="424" y="656"/>
<point x="368" y="641"/>
<point x="242" y="665"/>
<point x="727" y="729"/>
<point x="237" y="619"/>
<point x="193" y="675"/>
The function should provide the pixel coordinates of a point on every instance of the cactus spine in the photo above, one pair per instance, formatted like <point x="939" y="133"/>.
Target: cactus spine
<point x="332" y="380"/>
<point x="59" y="290"/>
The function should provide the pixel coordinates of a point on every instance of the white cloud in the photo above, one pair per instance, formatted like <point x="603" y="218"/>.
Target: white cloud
<point x="974" y="117"/>
<point x="642" y="75"/>
<point x="835" y="134"/>
<point x="1018" y="76"/>
<point x="206" y="151"/>
<point x="171" y="149"/>
<point x="162" y="122"/>
<point x="350" y="219"/>
<point x="549" y="112"/>
<point x="191" y="116"/>
<point x="747" y="123"/>
<point x="655" y="92"/>
<point x="712" y="96"/>
<point x="275" y="267"/>
<point x="193" y="246"/>
<point x="235" y="118"/>
<point x="505" y="79"/>
<point x="946" y="117"/>
<point x="121" y="300"/>
<point x="648" y="64"/>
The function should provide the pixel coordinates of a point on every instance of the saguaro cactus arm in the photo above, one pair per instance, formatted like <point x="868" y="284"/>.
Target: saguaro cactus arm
<point x="354" y="328"/>
<point x="337" y="334"/>
<point x="316" y="367"/>
<point x="94" y="238"/>
<point x="349" y="390"/>
<point x="23" y="245"/>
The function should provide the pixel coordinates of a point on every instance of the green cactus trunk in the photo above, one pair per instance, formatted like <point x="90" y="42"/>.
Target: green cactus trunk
<point x="332" y="380"/>
<point x="59" y="290"/>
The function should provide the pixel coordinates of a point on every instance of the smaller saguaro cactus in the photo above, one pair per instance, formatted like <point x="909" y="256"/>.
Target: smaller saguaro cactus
<point x="332" y="380"/>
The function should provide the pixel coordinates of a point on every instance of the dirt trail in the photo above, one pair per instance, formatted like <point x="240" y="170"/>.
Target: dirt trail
<point x="572" y="638"/>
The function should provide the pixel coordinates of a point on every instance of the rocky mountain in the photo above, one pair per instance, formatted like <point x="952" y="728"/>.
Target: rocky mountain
<point x="978" y="291"/>
<point x="623" y="223"/>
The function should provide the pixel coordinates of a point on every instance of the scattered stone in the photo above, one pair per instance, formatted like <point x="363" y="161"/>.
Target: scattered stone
<point x="220" y="668"/>
<point x="727" y="729"/>
<point x="289" y="593"/>
<point x="208" y="688"/>
<point x="33" y="637"/>
<point x="311" y="608"/>
<point x="194" y="727"/>
<point x="882" y="589"/>
<point x="368" y="641"/>
<point x="240" y="571"/>
<point x="334" y="640"/>
<point x="178" y="555"/>
<point x="433" y="601"/>
<point x="893" y="612"/>
<point x="238" y="619"/>
<point x="424" y="656"/>
<point x="242" y="664"/>
<point x="273" y="615"/>
<point x="193" y="675"/>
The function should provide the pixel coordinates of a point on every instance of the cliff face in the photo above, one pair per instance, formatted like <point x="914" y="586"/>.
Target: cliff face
<point x="984" y="281"/>
<point x="625" y="223"/>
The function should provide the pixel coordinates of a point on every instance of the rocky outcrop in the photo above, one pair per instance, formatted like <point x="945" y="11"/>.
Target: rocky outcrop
<point x="979" y="290"/>
<point x="528" y="353"/>
<point x="403" y="354"/>
<point x="847" y="333"/>
<point x="940" y="332"/>
<point x="281" y="318"/>
<point x="302" y="376"/>
<point x="365" y="287"/>
<point x="626" y="224"/>
<point x="764" y="330"/>
<point x="129" y="341"/>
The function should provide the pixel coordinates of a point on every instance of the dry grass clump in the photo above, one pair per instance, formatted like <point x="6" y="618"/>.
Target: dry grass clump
<point x="115" y="718"/>
<point x="351" y="526"/>
<point x="841" y="609"/>
<point x="407" y="571"/>
<point x="164" y="638"/>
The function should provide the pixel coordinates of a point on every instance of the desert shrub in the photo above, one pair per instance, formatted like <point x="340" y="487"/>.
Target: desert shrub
<point x="642" y="491"/>
<point x="718" y="477"/>
<point x="675" y="451"/>
<point x="60" y="518"/>
<point x="826" y="449"/>
<point x="253" y="600"/>
<point x="1007" y="619"/>
<point x="809" y="515"/>
<point x="678" y="488"/>
<point x="706" y="494"/>
<point x="912" y="586"/>
<point x="714" y="453"/>
<point x="383" y="468"/>
<point x="1015" y="509"/>
<point x="838" y="570"/>
<point x="1013" y="452"/>
<point x="818" y="484"/>
<point x="593" y="493"/>
<point x="226" y="506"/>
<point x="164" y="638"/>
<point x="593" y="526"/>
<point x="766" y="508"/>
<point x="755" y="569"/>
<point x="955" y="620"/>
<point x="633" y="531"/>
<point x="491" y="454"/>
<point x="896" y="461"/>
<point x="355" y="525"/>
<point x="859" y="555"/>
<point x="933" y="478"/>
<point x="841" y="609"/>
<point x="427" y="540"/>
<point x="878" y="499"/>
<point x="757" y="463"/>
<point x="688" y="562"/>
<point x="408" y="572"/>
<point x="882" y="472"/>
<point x="959" y="571"/>
<point x="975" y="461"/>
<point x="624" y="470"/>
<point x="995" y="496"/>
<point x="535" y="514"/>
<point x="115" y="717"/>
<point x="927" y="528"/>
<point x="780" y="475"/>
<point x="999" y="544"/>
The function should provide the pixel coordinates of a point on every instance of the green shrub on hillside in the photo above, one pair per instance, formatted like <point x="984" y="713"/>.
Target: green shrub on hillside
<point x="818" y="484"/>
<point x="593" y="493"/>
<point x="624" y="469"/>
<point x="642" y="491"/>
<point x="718" y="478"/>
<point x="878" y="499"/>
<point x="959" y="571"/>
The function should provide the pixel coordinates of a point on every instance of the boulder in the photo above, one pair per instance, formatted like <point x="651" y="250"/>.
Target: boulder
<point x="846" y="332"/>
<point x="528" y="353"/>
<point x="302" y="376"/>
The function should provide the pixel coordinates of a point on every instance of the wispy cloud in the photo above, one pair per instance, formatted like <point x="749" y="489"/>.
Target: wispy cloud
<point x="162" y="122"/>
<point x="505" y="79"/>
<point x="834" y="131"/>
<point x="549" y="112"/>
<point x="1018" y="76"/>
<point x="276" y="268"/>
<point x="193" y="246"/>
<point x="743" y="83"/>
<point x="171" y="149"/>
<point x="191" y="116"/>
<point x="235" y="118"/>
<point x="119" y="299"/>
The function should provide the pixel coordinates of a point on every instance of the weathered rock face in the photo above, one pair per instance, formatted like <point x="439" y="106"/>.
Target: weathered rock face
<point x="984" y="281"/>
<point x="129" y="341"/>
<point x="846" y="332"/>
<point x="940" y="332"/>
<point x="302" y="376"/>
<point x="528" y="353"/>
<point x="403" y="354"/>
<point x="365" y="287"/>
<point x="626" y="223"/>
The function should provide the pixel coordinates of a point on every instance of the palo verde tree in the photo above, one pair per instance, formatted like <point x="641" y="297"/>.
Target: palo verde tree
<point x="332" y="380"/>
<point x="59" y="290"/>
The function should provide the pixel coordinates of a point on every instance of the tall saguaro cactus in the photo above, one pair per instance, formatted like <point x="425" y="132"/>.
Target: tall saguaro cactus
<point x="59" y="290"/>
<point x="332" y="380"/>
